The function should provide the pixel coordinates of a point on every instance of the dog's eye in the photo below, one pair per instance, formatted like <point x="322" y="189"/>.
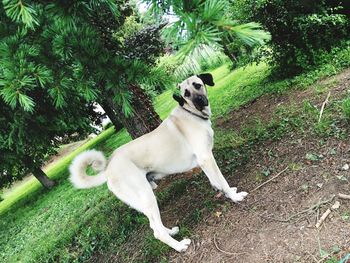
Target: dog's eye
<point x="187" y="93"/>
<point x="196" y="85"/>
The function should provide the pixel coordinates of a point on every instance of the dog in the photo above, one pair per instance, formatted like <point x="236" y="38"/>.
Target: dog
<point x="182" y="142"/>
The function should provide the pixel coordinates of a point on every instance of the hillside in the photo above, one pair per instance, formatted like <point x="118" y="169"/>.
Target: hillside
<point x="257" y="136"/>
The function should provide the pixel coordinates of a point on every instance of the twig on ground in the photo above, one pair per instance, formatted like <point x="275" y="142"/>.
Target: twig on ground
<point x="323" y="217"/>
<point x="273" y="178"/>
<point x="323" y="106"/>
<point x="316" y="206"/>
<point x="223" y="251"/>
<point x="326" y="214"/>
<point x="312" y="256"/>
<point x="344" y="196"/>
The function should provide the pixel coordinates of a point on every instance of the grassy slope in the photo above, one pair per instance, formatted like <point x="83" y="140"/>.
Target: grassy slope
<point x="62" y="222"/>
<point x="37" y="227"/>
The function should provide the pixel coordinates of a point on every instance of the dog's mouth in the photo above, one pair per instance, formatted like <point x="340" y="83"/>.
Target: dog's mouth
<point x="201" y="103"/>
<point x="206" y="112"/>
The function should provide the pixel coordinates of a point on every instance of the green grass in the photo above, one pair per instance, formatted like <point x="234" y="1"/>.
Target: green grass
<point x="57" y="171"/>
<point x="68" y="225"/>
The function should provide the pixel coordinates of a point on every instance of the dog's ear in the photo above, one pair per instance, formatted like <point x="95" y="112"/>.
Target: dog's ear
<point x="207" y="79"/>
<point x="179" y="99"/>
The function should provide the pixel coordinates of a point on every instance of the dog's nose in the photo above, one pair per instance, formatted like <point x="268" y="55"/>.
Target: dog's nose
<point x="203" y="100"/>
<point x="200" y="102"/>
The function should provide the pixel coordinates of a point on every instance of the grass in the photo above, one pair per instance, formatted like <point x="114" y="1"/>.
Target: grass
<point x="69" y="225"/>
<point x="32" y="187"/>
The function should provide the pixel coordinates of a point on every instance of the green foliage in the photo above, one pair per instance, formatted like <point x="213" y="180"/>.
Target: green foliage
<point x="206" y="24"/>
<point x="145" y="45"/>
<point x="195" y="63"/>
<point x="346" y="108"/>
<point x="21" y="11"/>
<point x="302" y="32"/>
<point x="57" y="60"/>
<point x="130" y="26"/>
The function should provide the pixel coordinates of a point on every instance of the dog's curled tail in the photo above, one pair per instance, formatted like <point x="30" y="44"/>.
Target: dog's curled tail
<point x="78" y="175"/>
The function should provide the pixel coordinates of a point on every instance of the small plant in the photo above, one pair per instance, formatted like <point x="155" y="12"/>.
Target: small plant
<point x="345" y="216"/>
<point x="295" y="166"/>
<point x="313" y="157"/>
<point x="346" y="108"/>
<point x="266" y="172"/>
<point x="197" y="215"/>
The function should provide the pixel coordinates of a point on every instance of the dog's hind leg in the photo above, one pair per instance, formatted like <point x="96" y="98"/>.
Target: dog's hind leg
<point x="151" y="176"/>
<point x="137" y="193"/>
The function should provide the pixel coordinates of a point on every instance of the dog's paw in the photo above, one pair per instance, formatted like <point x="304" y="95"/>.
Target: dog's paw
<point x="173" y="231"/>
<point x="183" y="245"/>
<point x="234" y="196"/>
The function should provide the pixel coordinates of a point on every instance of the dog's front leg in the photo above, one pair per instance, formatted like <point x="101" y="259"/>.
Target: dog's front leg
<point x="208" y="164"/>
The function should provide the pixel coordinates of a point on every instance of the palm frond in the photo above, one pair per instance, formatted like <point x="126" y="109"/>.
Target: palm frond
<point x="207" y="37"/>
<point x="251" y="33"/>
<point x="214" y="10"/>
<point x="192" y="63"/>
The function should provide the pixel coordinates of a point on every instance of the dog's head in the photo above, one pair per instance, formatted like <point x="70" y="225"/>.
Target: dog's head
<point x="194" y="93"/>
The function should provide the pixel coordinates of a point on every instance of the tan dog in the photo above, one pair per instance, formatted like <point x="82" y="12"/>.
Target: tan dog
<point x="183" y="141"/>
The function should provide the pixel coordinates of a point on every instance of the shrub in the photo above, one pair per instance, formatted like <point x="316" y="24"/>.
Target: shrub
<point x="302" y="31"/>
<point x="192" y="64"/>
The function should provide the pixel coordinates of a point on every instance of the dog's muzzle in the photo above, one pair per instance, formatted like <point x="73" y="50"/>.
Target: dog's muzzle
<point x="200" y="102"/>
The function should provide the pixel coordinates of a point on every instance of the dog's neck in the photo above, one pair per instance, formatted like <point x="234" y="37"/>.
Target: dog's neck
<point x="195" y="114"/>
<point x="184" y="105"/>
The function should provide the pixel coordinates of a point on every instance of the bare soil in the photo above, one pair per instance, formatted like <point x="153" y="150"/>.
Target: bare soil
<point x="275" y="223"/>
<point x="269" y="225"/>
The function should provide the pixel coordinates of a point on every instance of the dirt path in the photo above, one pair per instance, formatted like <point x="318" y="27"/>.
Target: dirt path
<point x="268" y="226"/>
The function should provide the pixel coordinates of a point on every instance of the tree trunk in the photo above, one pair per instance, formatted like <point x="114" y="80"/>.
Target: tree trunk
<point x="38" y="173"/>
<point x="112" y="115"/>
<point x="227" y="52"/>
<point x="144" y="118"/>
<point x="43" y="178"/>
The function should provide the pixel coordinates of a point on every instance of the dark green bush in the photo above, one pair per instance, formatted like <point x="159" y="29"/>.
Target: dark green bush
<point x="302" y="31"/>
<point x="146" y="44"/>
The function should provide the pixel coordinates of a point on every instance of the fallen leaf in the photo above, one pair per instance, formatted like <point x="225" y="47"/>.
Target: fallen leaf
<point x="218" y="214"/>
